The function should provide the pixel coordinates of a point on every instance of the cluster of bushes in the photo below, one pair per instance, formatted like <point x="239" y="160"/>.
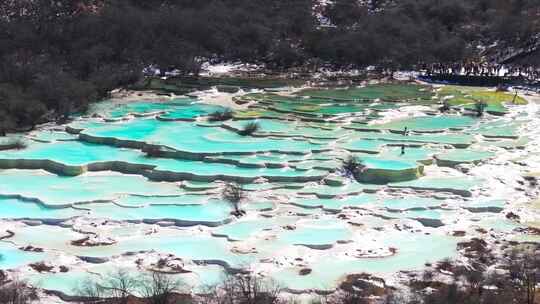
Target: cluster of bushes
<point x="56" y="56"/>
<point x="514" y="279"/>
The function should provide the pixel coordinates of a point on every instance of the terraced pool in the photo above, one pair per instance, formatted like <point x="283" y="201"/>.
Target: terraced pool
<point x="144" y="179"/>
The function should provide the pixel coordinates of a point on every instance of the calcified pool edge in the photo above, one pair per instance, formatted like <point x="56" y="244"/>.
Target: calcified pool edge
<point x="131" y="206"/>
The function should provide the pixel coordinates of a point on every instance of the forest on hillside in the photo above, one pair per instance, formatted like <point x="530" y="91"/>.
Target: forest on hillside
<point x="58" y="55"/>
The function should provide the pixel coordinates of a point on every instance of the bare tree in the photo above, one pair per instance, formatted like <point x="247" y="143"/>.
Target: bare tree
<point x="90" y="292"/>
<point x="116" y="287"/>
<point x="253" y="289"/>
<point x="398" y="298"/>
<point x="353" y="296"/>
<point x="160" y="288"/>
<point x="524" y="268"/>
<point x="119" y="285"/>
<point x="210" y="295"/>
<point x="17" y="292"/>
<point x="244" y="289"/>
<point x="234" y="195"/>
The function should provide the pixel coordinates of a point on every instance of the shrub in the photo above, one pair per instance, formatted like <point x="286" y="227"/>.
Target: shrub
<point x="19" y="144"/>
<point x="480" y="108"/>
<point x="152" y="151"/>
<point x="41" y="267"/>
<point x="249" y="129"/>
<point x="162" y="262"/>
<point x="6" y="123"/>
<point x="221" y="115"/>
<point x="14" y="144"/>
<point x="351" y="167"/>
<point x="446" y="265"/>
<point x="445" y="106"/>
<point x="428" y="275"/>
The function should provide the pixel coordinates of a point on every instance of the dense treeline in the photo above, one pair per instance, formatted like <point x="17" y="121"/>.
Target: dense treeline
<point x="57" y="55"/>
